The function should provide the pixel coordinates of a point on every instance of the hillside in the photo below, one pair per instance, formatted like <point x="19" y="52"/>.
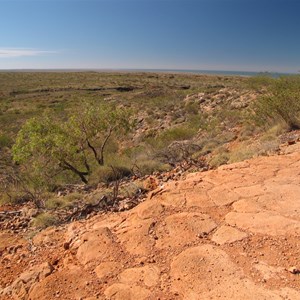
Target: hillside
<point x="178" y="120"/>
<point x="230" y="233"/>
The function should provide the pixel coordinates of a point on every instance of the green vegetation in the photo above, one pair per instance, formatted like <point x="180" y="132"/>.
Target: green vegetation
<point x="98" y="128"/>
<point x="5" y="141"/>
<point x="49" y="146"/>
<point x="44" y="220"/>
<point x="281" y="103"/>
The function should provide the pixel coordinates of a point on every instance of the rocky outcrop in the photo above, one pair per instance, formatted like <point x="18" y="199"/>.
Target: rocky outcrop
<point x="230" y="233"/>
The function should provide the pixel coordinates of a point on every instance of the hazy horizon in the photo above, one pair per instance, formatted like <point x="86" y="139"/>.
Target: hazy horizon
<point x="174" y="71"/>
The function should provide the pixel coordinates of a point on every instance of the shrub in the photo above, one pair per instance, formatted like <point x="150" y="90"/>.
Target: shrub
<point x="70" y="145"/>
<point x="282" y="103"/>
<point x="5" y="141"/>
<point x="170" y="135"/>
<point x="61" y="202"/>
<point x="242" y="152"/>
<point x="209" y="145"/>
<point x="107" y="174"/>
<point x="260" y="81"/>
<point x="146" y="167"/>
<point x="219" y="159"/>
<point x="44" y="220"/>
<point x="6" y="199"/>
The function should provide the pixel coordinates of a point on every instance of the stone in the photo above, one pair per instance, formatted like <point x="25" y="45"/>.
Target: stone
<point x="149" y="209"/>
<point x="20" y="287"/>
<point x="134" y="235"/>
<point x="183" y="228"/>
<point x="120" y="291"/>
<point x="226" y="235"/>
<point x="264" y="222"/>
<point x="97" y="245"/>
<point x="205" y="272"/>
<point x="148" y="275"/>
<point x="108" y="268"/>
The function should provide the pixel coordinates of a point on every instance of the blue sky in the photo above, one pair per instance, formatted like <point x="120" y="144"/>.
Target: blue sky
<point x="243" y="35"/>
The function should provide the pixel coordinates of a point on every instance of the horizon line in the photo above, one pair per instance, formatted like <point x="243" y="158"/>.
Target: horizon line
<point x="144" y="69"/>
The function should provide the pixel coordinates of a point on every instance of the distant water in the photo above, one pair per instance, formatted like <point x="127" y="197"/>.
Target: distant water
<point x="210" y="72"/>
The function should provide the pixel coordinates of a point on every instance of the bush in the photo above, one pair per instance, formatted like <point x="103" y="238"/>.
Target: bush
<point x="242" y="152"/>
<point x="5" y="141"/>
<point x="44" y="220"/>
<point x="170" y="135"/>
<point x="219" y="159"/>
<point x="146" y="167"/>
<point x="108" y="174"/>
<point x="260" y="81"/>
<point x="62" y="202"/>
<point x="6" y="199"/>
<point x="282" y="103"/>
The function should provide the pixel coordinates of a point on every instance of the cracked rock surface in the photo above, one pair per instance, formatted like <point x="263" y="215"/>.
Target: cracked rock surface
<point x="230" y="233"/>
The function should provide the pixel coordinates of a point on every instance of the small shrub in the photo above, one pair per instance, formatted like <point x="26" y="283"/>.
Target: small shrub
<point x="246" y="133"/>
<point x="275" y="131"/>
<point x="281" y="104"/>
<point x="108" y="174"/>
<point x="131" y="189"/>
<point x="243" y="152"/>
<point x="5" y="199"/>
<point x="44" y="220"/>
<point x="209" y="145"/>
<point x="219" y="159"/>
<point x="147" y="167"/>
<point x="55" y="202"/>
<point x="62" y="202"/>
<point x="176" y="134"/>
<point x="192" y="108"/>
<point x="260" y="81"/>
<point x="5" y="141"/>
<point x="170" y="135"/>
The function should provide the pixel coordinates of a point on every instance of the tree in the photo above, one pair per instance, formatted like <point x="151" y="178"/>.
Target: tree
<point x="93" y="126"/>
<point x="52" y="146"/>
<point x="46" y="145"/>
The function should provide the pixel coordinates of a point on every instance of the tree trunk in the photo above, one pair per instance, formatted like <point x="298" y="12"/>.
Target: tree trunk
<point x="100" y="156"/>
<point x="76" y="171"/>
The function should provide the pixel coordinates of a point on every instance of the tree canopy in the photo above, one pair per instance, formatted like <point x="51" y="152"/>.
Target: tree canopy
<point x="72" y="145"/>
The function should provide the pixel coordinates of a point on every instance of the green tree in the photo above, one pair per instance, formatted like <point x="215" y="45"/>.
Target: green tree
<point x="93" y="126"/>
<point x="46" y="145"/>
<point x="51" y="146"/>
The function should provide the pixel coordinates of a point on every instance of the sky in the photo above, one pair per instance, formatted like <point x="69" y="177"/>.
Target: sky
<point x="238" y="35"/>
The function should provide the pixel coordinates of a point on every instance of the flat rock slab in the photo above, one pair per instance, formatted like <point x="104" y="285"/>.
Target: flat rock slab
<point x="134" y="235"/>
<point x="121" y="291"/>
<point x="97" y="245"/>
<point x="230" y="233"/>
<point x="265" y="222"/>
<point x="268" y="272"/>
<point x="108" y="268"/>
<point x="149" y="209"/>
<point x="147" y="275"/>
<point x="206" y="272"/>
<point x="226" y="235"/>
<point x="183" y="228"/>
